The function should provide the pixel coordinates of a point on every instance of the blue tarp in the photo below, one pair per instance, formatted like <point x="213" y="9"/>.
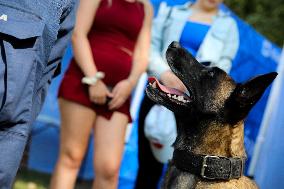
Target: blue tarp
<point x="256" y="55"/>
<point x="267" y="165"/>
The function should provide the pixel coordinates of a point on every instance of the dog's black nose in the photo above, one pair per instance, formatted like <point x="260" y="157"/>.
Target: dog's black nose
<point x="174" y="44"/>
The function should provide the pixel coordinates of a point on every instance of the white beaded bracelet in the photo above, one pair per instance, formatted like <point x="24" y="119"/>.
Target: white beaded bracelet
<point x="93" y="80"/>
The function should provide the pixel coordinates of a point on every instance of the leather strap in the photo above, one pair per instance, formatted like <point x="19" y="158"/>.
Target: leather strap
<point x="209" y="167"/>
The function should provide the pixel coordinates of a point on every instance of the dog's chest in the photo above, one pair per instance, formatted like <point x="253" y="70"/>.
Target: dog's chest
<point x="176" y="179"/>
<point x="241" y="183"/>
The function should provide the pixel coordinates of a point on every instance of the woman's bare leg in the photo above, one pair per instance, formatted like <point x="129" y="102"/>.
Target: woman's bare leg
<point x="109" y="145"/>
<point x="76" y="124"/>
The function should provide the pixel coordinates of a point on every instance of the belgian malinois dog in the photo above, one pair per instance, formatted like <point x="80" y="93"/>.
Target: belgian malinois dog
<point x="209" y="149"/>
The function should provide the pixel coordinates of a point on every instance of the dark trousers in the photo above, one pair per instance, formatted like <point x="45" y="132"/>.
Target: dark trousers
<point x="150" y="170"/>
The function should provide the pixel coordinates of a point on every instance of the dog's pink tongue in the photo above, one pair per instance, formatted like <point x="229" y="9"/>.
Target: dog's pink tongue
<point x="164" y="88"/>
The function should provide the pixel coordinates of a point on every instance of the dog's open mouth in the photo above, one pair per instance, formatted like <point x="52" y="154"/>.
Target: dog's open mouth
<point x="172" y="94"/>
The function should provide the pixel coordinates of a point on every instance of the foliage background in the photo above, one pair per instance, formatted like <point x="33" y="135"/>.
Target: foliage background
<point x="266" y="16"/>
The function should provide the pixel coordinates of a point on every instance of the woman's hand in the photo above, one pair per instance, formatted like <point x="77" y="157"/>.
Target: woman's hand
<point x="99" y="92"/>
<point x="120" y="94"/>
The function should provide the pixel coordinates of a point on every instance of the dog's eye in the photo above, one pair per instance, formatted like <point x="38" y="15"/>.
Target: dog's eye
<point x="211" y="73"/>
<point x="208" y="72"/>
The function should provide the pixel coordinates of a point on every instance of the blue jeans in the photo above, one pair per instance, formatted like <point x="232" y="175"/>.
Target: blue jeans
<point x="12" y="145"/>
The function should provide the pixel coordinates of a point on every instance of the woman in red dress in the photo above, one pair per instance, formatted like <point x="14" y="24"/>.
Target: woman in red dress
<point x="111" y="38"/>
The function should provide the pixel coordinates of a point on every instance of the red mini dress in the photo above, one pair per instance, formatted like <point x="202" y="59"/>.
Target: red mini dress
<point x="112" y="39"/>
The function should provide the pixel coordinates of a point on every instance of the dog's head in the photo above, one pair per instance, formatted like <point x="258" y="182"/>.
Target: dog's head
<point x="212" y="93"/>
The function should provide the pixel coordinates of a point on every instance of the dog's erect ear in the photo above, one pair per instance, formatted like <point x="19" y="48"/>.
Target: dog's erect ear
<point x="245" y="97"/>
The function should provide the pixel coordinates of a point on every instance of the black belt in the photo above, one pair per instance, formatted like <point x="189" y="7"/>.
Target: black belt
<point x="209" y="167"/>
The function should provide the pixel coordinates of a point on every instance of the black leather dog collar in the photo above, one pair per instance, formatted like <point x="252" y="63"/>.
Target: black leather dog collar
<point x="207" y="166"/>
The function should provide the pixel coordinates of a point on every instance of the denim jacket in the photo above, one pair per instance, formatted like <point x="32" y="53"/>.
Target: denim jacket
<point x="218" y="47"/>
<point x="33" y="38"/>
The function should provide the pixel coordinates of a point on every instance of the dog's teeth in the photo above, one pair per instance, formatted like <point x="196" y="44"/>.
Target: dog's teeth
<point x="181" y="98"/>
<point x="169" y="95"/>
<point x="175" y="96"/>
<point x="154" y="85"/>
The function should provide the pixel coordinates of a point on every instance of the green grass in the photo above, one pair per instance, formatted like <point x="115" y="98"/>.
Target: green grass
<point x="28" y="179"/>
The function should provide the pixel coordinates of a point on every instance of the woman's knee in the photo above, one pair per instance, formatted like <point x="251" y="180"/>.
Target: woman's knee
<point x="107" y="168"/>
<point x="71" y="158"/>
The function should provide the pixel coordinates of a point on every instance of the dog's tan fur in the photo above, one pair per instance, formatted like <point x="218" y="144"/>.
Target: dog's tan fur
<point x="221" y="93"/>
<point x="222" y="140"/>
<point x="241" y="183"/>
<point x="225" y="141"/>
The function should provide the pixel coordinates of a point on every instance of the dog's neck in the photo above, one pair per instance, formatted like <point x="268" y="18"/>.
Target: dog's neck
<point x="216" y="139"/>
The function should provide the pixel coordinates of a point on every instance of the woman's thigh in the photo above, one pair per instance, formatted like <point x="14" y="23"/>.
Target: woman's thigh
<point x="109" y="139"/>
<point x="76" y="125"/>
